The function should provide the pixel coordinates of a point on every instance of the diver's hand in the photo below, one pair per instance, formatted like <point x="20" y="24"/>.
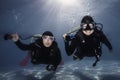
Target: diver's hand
<point x="15" y="37"/>
<point x="64" y="36"/>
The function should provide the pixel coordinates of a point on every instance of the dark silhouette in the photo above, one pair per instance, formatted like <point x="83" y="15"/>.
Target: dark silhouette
<point x="87" y="41"/>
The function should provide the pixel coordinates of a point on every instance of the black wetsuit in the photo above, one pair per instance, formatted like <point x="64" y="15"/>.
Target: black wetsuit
<point x="41" y="54"/>
<point x="82" y="45"/>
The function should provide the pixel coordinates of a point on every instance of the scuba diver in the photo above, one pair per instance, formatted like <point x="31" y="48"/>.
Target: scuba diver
<point x="43" y="51"/>
<point x="87" y="41"/>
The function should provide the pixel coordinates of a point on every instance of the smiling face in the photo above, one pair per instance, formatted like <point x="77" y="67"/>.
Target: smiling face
<point x="47" y="40"/>
<point x="88" y="29"/>
<point x="88" y="32"/>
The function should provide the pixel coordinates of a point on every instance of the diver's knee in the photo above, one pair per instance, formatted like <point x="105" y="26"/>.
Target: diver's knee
<point x="34" y="61"/>
<point x="98" y="57"/>
<point x="77" y="57"/>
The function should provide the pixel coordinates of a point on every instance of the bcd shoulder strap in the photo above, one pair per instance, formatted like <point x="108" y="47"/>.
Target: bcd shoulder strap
<point x="79" y="35"/>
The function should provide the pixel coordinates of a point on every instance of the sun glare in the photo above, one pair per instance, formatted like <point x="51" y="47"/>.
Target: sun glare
<point x="67" y="2"/>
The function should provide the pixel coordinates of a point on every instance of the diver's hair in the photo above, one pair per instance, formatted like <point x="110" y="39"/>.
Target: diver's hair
<point x="47" y="33"/>
<point x="87" y="19"/>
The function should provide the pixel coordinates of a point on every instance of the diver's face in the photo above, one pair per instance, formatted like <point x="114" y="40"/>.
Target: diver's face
<point x="88" y="32"/>
<point x="47" y="40"/>
<point x="88" y="29"/>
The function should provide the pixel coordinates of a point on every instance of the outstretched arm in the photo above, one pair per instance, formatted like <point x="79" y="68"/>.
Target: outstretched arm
<point x="58" y="57"/>
<point x="55" y="56"/>
<point x="69" y="47"/>
<point x="22" y="46"/>
<point x="106" y="41"/>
